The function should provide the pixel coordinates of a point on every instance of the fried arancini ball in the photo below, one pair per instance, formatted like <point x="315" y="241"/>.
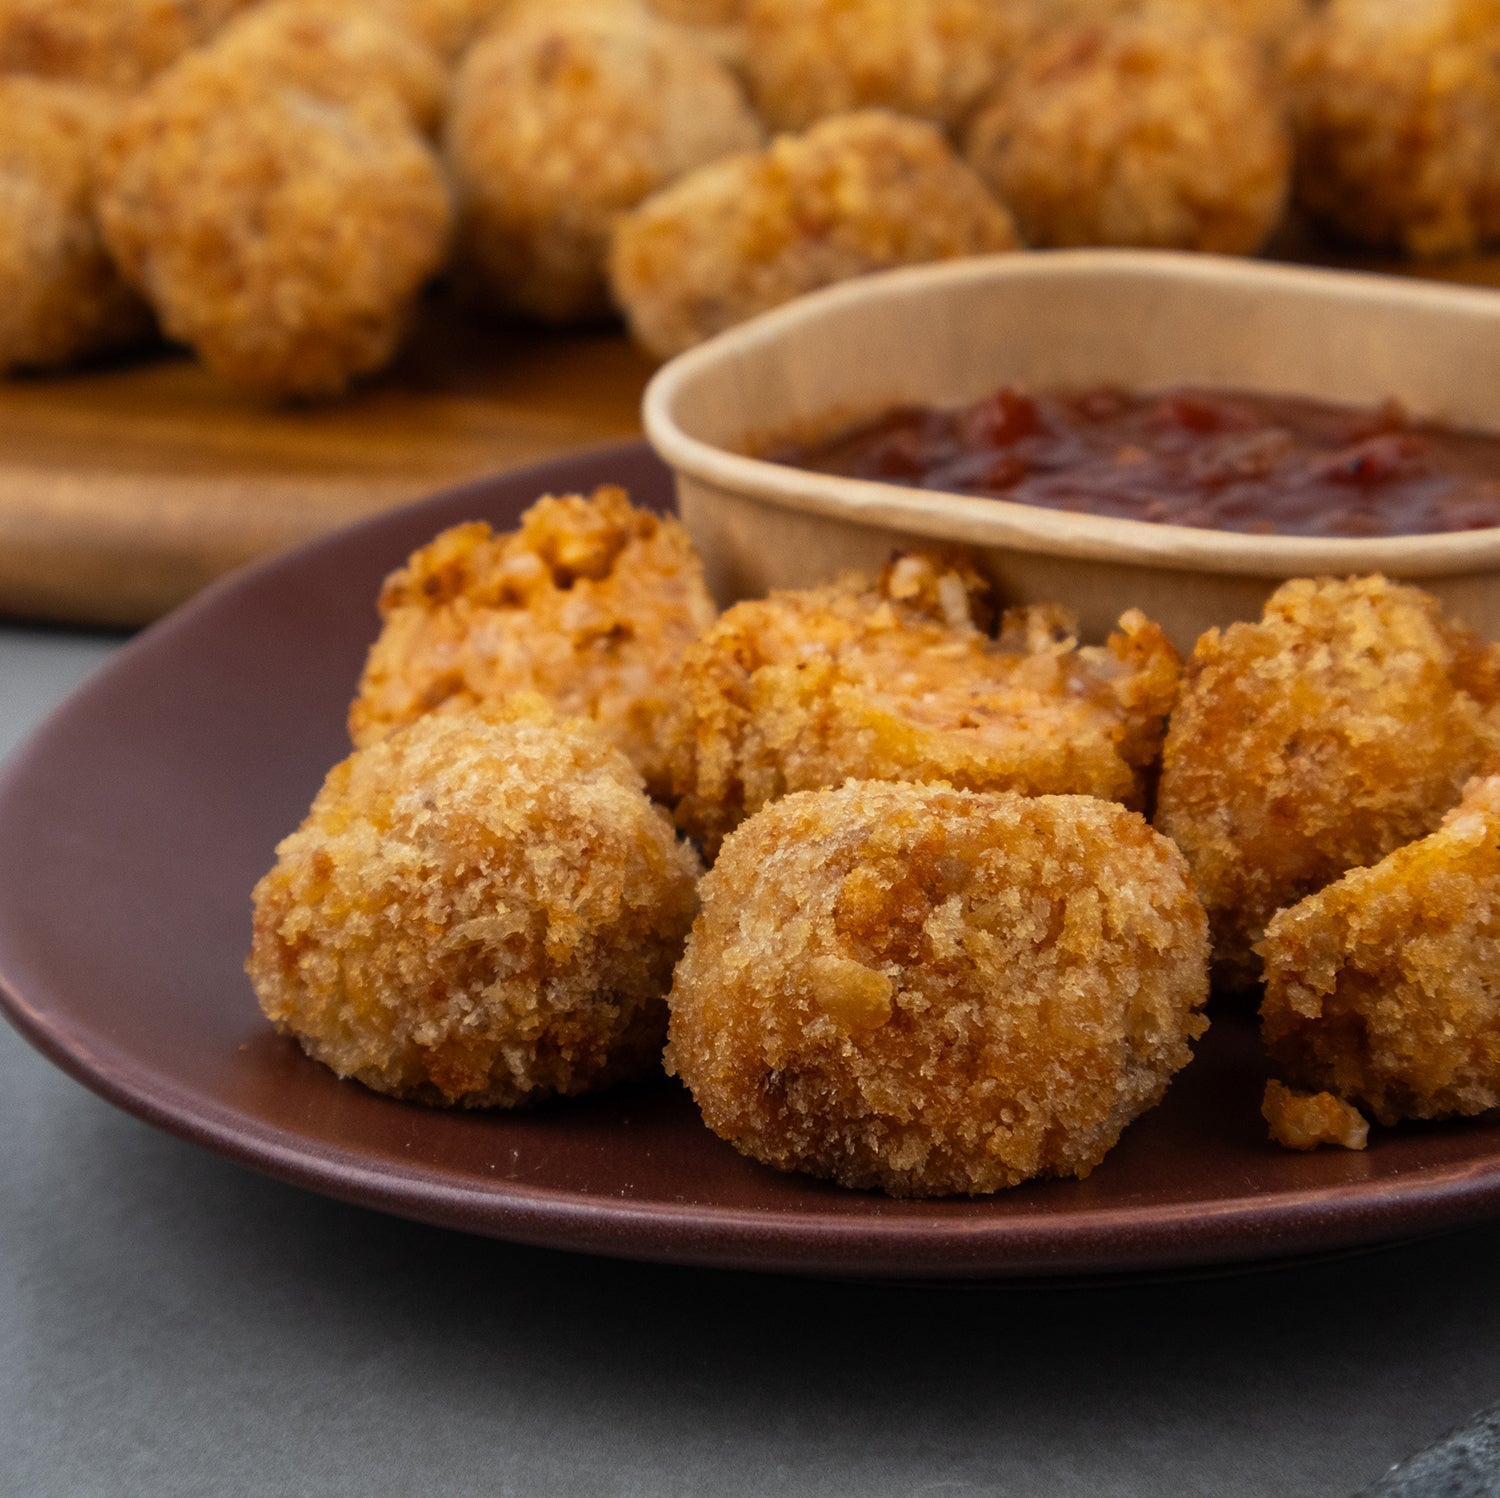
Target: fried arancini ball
<point x="339" y="50"/>
<point x="591" y="603"/>
<point x="1396" y="106"/>
<point x="560" y="125"/>
<point x="1341" y="726"/>
<point x="934" y="59"/>
<point x="282" y="235"/>
<point x="1384" y="987"/>
<point x="60" y="295"/>
<point x="857" y="193"/>
<point x="117" y="44"/>
<point x="1149" y="132"/>
<point x="482" y="909"/>
<point x="894" y="679"/>
<point x="1304" y="1120"/>
<point x="1270" y="24"/>
<point x="934" y="991"/>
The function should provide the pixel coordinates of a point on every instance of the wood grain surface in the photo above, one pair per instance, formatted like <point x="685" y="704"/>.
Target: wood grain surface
<point x="125" y="489"/>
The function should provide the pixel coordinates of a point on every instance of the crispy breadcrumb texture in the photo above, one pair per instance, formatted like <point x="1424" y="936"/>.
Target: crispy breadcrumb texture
<point x="1396" y="106"/>
<point x="283" y="234"/>
<point x="1304" y="1120"/>
<point x="936" y="992"/>
<point x="857" y="193"/>
<point x="1385" y="987"/>
<point x="449" y="27"/>
<point x="1341" y="726"/>
<point x="483" y="909"/>
<point x="933" y="59"/>
<point x="116" y="44"/>
<point x="591" y="602"/>
<point x="1271" y="24"/>
<point x="339" y="50"/>
<point x="1149" y="132"/>
<point x="562" y="122"/>
<point x="61" y="297"/>
<point x="895" y="678"/>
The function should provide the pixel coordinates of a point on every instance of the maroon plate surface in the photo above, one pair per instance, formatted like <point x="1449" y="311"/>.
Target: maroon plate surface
<point x="134" y="823"/>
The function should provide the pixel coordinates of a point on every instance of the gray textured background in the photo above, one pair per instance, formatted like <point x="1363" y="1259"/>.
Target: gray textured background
<point x="171" y="1324"/>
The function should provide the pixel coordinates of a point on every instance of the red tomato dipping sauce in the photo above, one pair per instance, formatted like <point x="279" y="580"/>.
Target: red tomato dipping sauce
<point x="1218" y="459"/>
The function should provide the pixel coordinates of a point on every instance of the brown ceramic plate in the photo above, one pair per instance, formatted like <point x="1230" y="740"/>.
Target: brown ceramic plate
<point x="135" y="822"/>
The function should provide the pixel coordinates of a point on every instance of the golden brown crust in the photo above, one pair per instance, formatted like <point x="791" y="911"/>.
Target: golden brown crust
<point x="1385" y="986"/>
<point x="857" y="193"/>
<point x="116" y="44"/>
<point x="482" y="909"/>
<point x="283" y="234"/>
<point x="61" y="297"/>
<point x="932" y="59"/>
<point x="932" y="991"/>
<point x="1341" y="726"/>
<point x="891" y="679"/>
<point x="1150" y="132"/>
<point x="1396" y="105"/>
<point x="1304" y="1120"/>
<point x="560" y="124"/>
<point x="591" y="603"/>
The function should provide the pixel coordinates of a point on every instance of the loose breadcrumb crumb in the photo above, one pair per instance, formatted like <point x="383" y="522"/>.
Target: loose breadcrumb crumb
<point x="937" y="992"/>
<point x="894" y="678"/>
<point x="591" y="603"/>
<point x="482" y="909"/>
<point x="1304" y="1120"/>
<point x="1341" y="726"/>
<point x="1385" y="986"/>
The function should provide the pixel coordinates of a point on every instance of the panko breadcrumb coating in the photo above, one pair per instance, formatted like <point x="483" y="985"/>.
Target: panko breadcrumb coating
<point x="60" y="295"/>
<point x="1150" y="132"/>
<point x="482" y="909"/>
<point x="283" y="235"/>
<point x="857" y="193"/>
<point x="591" y="603"/>
<point x="934" y="59"/>
<point x="449" y="27"/>
<point x="1396" y="105"/>
<point x="339" y="50"/>
<point x="1384" y="988"/>
<point x="1270" y="24"/>
<point x="895" y="679"/>
<point x="1304" y="1120"/>
<point x="1341" y="726"/>
<point x="558" y="126"/>
<point x="937" y="992"/>
<point x="117" y="44"/>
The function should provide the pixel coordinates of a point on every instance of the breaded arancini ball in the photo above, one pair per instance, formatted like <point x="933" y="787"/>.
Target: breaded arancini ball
<point x="1384" y="988"/>
<point x="1147" y="132"/>
<point x="482" y="909"/>
<point x="60" y="295"/>
<point x="937" y="992"/>
<point x="283" y="235"/>
<point x="1396" y="105"/>
<point x="895" y="678"/>
<point x="117" y="44"/>
<point x="590" y="602"/>
<point x="558" y="126"/>
<point x="857" y="193"/>
<point x="1270" y="24"/>
<point x="1341" y="726"/>
<point x="934" y="59"/>
<point x="339" y="50"/>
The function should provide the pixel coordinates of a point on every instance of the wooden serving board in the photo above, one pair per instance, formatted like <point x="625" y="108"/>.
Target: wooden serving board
<point x="125" y="489"/>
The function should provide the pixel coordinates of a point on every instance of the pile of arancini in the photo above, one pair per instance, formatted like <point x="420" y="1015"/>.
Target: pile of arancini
<point x="276" y="184"/>
<point x="939" y="948"/>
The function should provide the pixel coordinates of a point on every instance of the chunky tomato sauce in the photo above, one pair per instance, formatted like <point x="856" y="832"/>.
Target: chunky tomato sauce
<point x="1219" y="459"/>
